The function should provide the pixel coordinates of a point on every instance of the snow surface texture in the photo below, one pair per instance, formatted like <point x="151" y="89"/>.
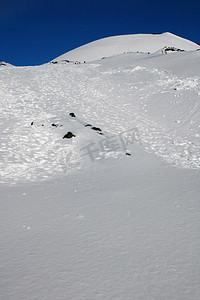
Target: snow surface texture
<point x="99" y="171"/>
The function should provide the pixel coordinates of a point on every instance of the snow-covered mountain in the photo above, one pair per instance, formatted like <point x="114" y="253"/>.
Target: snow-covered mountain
<point x="99" y="172"/>
<point x="127" y="43"/>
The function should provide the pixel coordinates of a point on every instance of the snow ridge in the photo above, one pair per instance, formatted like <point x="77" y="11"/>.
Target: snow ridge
<point x="148" y="43"/>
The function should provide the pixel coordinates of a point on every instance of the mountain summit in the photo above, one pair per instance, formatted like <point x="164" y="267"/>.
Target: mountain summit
<point x="127" y="43"/>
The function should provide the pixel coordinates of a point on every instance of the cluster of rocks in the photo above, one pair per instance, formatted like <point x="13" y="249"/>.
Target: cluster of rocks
<point x="69" y="134"/>
<point x="88" y="125"/>
<point x="171" y="49"/>
<point x="66" y="61"/>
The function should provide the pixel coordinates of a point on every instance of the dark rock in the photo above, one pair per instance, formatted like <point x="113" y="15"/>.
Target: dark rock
<point x="88" y="125"/>
<point x="128" y="154"/>
<point x="31" y="123"/>
<point x="69" y="135"/>
<point x="167" y="49"/>
<point x="54" y="125"/>
<point x="72" y="115"/>
<point x="96" y="128"/>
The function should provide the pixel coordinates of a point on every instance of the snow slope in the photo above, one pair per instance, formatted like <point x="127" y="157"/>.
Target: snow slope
<point x="113" y="212"/>
<point x="136" y="89"/>
<point x="127" y="43"/>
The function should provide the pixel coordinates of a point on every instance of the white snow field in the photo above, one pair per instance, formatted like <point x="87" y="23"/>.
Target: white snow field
<point x="100" y="173"/>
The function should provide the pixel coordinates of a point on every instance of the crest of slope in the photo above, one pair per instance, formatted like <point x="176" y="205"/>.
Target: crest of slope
<point x="115" y="45"/>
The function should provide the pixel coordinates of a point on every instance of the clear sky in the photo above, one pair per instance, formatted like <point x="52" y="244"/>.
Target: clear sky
<point x="33" y="32"/>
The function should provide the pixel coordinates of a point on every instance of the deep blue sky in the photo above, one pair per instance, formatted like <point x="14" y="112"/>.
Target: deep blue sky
<point x="33" y="32"/>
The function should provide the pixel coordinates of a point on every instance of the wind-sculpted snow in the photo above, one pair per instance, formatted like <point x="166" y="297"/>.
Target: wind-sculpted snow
<point x="163" y="106"/>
